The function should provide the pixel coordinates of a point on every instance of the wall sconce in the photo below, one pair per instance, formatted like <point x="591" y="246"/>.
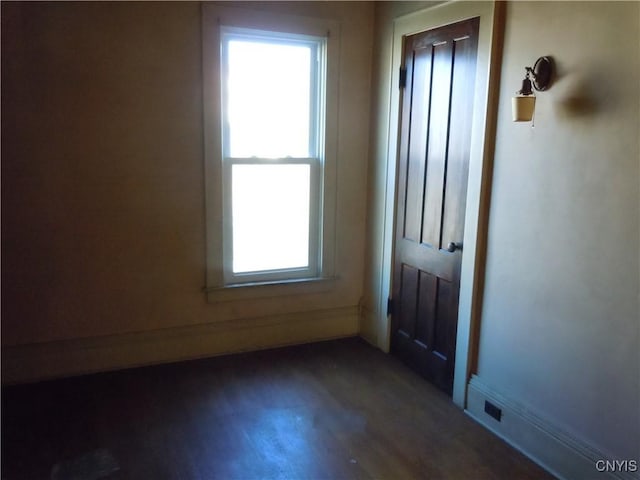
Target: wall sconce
<point x="539" y="77"/>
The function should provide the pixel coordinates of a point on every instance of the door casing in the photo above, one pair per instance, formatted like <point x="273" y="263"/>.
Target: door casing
<point x="491" y="15"/>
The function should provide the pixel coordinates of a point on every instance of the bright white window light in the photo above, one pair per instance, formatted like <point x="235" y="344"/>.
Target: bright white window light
<point x="271" y="136"/>
<point x="269" y="99"/>
<point x="270" y="217"/>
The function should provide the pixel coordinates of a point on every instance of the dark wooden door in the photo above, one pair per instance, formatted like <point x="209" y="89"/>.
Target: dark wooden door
<point x="437" y="105"/>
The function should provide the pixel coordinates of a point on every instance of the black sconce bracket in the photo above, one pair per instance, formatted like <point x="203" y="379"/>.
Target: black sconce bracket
<point x="541" y="73"/>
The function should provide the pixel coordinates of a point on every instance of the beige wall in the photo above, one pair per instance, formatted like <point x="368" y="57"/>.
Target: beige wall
<point x="102" y="173"/>
<point x="560" y="323"/>
<point x="559" y="330"/>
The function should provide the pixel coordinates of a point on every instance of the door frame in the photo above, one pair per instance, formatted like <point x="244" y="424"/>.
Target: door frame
<point x="489" y="52"/>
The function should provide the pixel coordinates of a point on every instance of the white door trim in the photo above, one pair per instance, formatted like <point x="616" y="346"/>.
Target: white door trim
<point x="480" y="163"/>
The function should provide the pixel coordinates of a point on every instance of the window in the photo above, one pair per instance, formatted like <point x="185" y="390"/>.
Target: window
<point x="273" y="110"/>
<point x="269" y="146"/>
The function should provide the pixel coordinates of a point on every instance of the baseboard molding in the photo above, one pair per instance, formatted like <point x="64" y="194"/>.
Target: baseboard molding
<point x="42" y="361"/>
<point x="368" y="330"/>
<point x="556" y="451"/>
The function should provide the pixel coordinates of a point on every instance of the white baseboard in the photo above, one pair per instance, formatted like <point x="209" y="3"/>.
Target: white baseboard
<point x="562" y="455"/>
<point x="41" y="361"/>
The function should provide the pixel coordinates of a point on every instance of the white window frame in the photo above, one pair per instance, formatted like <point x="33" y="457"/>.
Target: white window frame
<point x="315" y="163"/>
<point x="220" y="279"/>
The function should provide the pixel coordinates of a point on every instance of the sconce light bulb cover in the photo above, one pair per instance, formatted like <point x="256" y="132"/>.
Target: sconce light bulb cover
<point x="522" y="108"/>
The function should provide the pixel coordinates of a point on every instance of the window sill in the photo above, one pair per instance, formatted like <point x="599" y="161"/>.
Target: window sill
<point x="279" y="288"/>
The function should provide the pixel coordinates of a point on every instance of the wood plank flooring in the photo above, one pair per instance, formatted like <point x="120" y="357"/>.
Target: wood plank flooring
<point x="329" y="410"/>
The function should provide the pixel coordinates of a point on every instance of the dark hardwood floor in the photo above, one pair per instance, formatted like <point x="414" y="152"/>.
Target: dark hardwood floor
<point x="338" y="409"/>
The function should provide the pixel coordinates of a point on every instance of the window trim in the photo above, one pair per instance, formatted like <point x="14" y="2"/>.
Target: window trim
<point x="216" y="223"/>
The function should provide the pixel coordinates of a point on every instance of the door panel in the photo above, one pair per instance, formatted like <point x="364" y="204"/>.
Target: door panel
<point x="459" y="139"/>
<point x="437" y="144"/>
<point x="421" y="65"/>
<point x="408" y="300"/>
<point x="426" y="308"/>
<point x="437" y="105"/>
